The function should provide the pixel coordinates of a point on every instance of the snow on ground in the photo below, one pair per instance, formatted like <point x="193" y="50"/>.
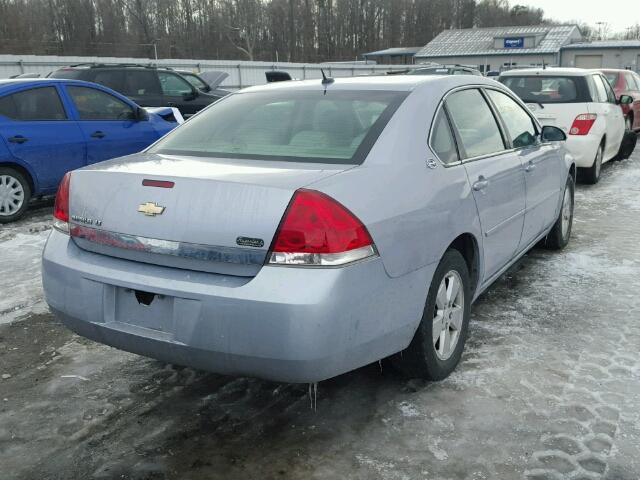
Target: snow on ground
<point x="548" y="388"/>
<point x="21" y="245"/>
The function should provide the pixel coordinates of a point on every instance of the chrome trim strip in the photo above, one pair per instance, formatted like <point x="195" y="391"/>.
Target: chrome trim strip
<point x="194" y="251"/>
<point x="504" y="223"/>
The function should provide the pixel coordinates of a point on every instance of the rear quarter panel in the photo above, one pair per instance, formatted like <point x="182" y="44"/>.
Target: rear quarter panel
<point x="412" y="212"/>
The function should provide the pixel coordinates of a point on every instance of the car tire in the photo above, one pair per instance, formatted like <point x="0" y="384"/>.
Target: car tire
<point x="627" y="146"/>
<point x="15" y="194"/>
<point x="591" y="175"/>
<point x="560" y="233"/>
<point x="435" y="359"/>
<point x="628" y="123"/>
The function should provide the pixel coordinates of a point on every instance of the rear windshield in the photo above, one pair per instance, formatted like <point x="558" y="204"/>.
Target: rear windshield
<point x="550" y="89"/>
<point x="303" y="126"/>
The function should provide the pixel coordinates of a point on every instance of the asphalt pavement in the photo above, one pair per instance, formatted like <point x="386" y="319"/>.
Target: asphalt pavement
<point x="549" y="385"/>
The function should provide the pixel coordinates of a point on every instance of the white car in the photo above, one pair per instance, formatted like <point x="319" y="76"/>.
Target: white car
<point x="581" y="103"/>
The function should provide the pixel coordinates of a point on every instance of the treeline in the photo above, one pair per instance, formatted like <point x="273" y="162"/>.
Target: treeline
<point x="287" y="30"/>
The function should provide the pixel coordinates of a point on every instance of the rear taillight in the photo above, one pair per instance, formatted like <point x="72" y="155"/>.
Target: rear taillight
<point x="582" y="124"/>
<point x="61" y="207"/>
<point x="317" y="231"/>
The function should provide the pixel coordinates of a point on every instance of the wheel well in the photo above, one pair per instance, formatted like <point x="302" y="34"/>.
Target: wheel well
<point x="23" y="171"/>
<point x="467" y="245"/>
<point x="572" y="171"/>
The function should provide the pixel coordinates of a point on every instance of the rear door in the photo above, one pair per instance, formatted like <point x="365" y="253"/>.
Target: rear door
<point x="632" y="82"/>
<point x="40" y="132"/>
<point x="142" y="86"/>
<point x="495" y="175"/>
<point x="108" y="124"/>
<point x="542" y="164"/>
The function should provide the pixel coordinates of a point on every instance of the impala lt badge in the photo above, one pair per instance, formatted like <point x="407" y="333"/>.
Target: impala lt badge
<point x="151" y="209"/>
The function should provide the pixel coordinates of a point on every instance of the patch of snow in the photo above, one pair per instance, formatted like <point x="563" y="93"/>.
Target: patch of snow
<point x="20" y="284"/>
<point x="409" y="410"/>
<point x="439" y="453"/>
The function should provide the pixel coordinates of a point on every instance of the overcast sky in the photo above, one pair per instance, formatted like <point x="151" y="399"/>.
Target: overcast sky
<point x="619" y="14"/>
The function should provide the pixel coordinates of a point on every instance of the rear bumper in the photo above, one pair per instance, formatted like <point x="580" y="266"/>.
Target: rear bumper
<point x="285" y="324"/>
<point x="583" y="148"/>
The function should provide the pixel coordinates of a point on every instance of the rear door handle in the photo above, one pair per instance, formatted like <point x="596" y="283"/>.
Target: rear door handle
<point x="18" y="139"/>
<point x="530" y="167"/>
<point x="480" y="184"/>
<point x="98" y="134"/>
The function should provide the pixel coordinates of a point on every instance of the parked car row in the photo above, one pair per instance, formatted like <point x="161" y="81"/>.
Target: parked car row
<point x="299" y="230"/>
<point x="151" y="86"/>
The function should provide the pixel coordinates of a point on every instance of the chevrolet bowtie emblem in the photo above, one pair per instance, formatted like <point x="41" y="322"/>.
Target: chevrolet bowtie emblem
<point x="151" y="209"/>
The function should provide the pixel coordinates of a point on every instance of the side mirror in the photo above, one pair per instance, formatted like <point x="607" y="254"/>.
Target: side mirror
<point x="141" y="115"/>
<point x="552" y="134"/>
<point x="625" y="100"/>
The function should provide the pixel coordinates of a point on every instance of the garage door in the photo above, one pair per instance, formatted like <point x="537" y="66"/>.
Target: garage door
<point x="589" y="61"/>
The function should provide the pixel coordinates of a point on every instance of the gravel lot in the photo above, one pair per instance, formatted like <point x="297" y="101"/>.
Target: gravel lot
<point x="549" y="387"/>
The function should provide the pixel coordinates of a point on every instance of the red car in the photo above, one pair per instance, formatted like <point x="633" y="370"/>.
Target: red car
<point x="626" y="82"/>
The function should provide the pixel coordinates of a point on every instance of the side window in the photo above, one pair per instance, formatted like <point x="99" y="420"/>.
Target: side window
<point x="141" y="82"/>
<point x="475" y="123"/>
<point x="636" y="78"/>
<point x="521" y="128"/>
<point x="173" y="85"/>
<point x="601" y="92"/>
<point x="35" y="104"/>
<point x="630" y="81"/>
<point x="611" y="96"/>
<point x="442" y="141"/>
<point x="93" y="104"/>
<point x="110" y="78"/>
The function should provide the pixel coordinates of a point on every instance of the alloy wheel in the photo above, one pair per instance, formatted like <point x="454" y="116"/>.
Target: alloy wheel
<point x="11" y="195"/>
<point x="599" y="161"/>
<point x="567" y="212"/>
<point x="448" y="315"/>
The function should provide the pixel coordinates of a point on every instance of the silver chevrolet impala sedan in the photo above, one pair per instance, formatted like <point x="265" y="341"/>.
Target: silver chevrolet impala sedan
<point x="300" y="230"/>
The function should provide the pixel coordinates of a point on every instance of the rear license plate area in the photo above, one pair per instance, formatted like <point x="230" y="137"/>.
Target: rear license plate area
<point x="144" y="309"/>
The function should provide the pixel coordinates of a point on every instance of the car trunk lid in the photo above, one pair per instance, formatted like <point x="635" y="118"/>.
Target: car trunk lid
<point x="559" y="115"/>
<point x="214" y="215"/>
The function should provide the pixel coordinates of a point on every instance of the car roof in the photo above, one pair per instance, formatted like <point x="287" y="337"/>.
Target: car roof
<point x="377" y="82"/>
<point x="550" y="71"/>
<point x="613" y="70"/>
<point x="11" y="82"/>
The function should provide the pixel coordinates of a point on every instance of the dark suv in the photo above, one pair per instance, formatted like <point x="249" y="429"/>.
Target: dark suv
<point x="148" y="86"/>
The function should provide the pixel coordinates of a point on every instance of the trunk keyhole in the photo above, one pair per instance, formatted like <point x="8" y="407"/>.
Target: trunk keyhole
<point x="144" y="298"/>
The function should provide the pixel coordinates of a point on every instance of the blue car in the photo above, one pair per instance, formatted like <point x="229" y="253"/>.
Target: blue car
<point x="49" y="127"/>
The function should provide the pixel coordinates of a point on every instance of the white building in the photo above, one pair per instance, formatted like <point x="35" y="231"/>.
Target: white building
<point x="604" y="54"/>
